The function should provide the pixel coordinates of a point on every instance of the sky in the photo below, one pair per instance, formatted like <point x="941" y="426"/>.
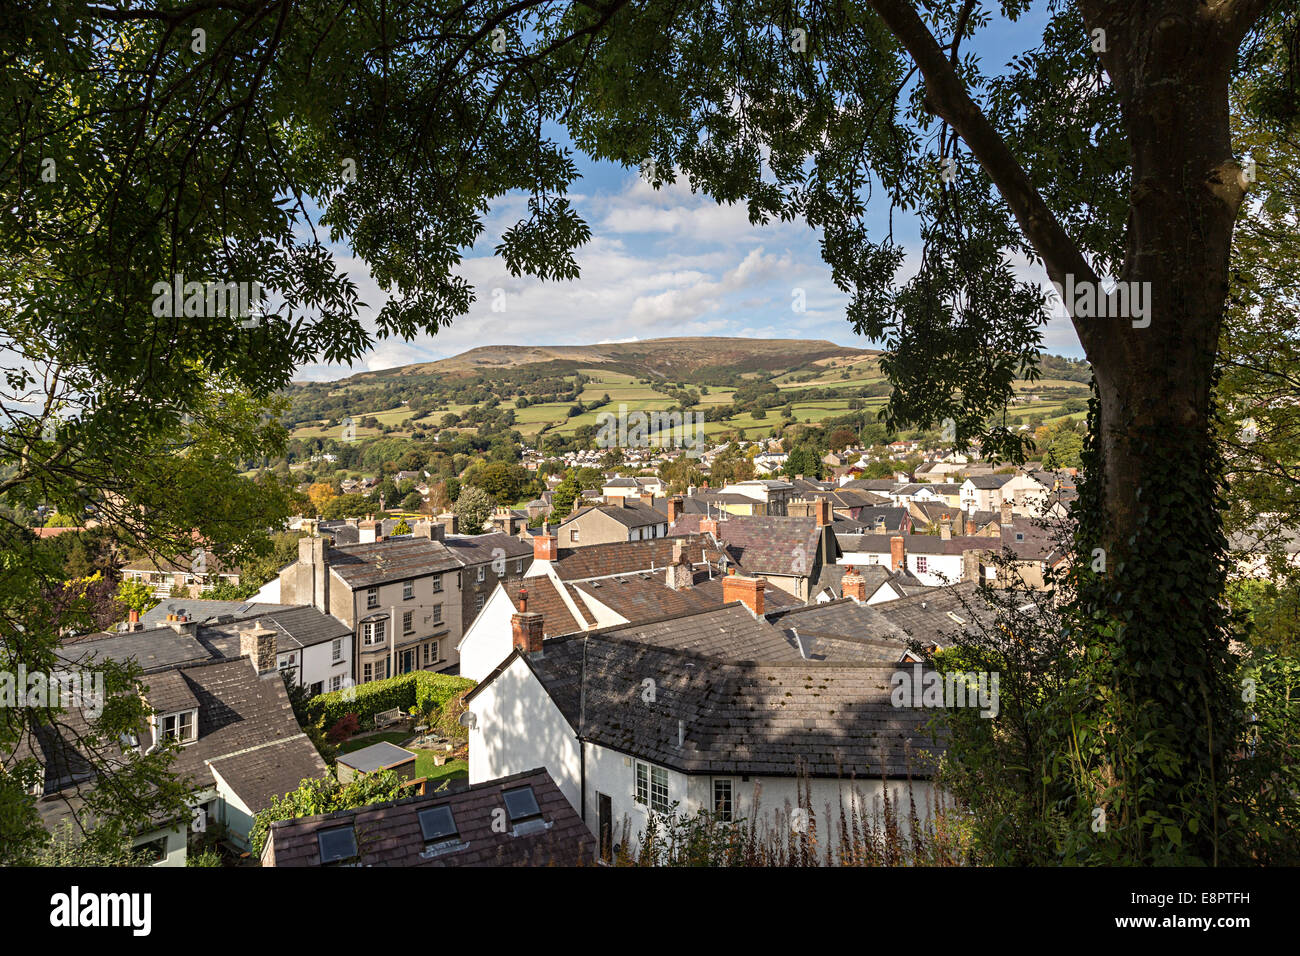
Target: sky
<point x="660" y="263"/>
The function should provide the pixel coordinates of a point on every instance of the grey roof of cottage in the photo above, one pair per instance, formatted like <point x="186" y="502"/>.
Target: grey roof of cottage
<point x="153" y="649"/>
<point x="367" y="565"/>
<point x="717" y="717"/>
<point x="643" y="595"/>
<point x="729" y="633"/>
<point x="168" y="692"/>
<point x="376" y="757"/>
<point x="771" y="544"/>
<point x="868" y="519"/>
<point x="989" y="482"/>
<point x="204" y="611"/>
<point x="871" y="484"/>
<point x="622" y="557"/>
<point x="843" y="629"/>
<point x="634" y="514"/>
<point x="389" y="834"/>
<point x="934" y="615"/>
<point x="485" y="548"/>
<point x="261" y="775"/>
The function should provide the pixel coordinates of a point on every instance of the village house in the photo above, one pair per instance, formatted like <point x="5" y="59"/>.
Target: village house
<point x="630" y="724"/>
<point x="623" y="519"/>
<point x="401" y="597"/>
<point x="240" y="745"/>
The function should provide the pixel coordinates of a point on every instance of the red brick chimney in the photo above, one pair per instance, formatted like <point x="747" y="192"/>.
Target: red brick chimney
<point x="853" y="586"/>
<point x="526" y="630"/>
<point x="709" y="526"/>
<point x="545" y="547"/>
<point x="822" y="509"/>
<point x="970" y="527"/>
<point x="897" y="552"/>
<point x="747" y="590"/>
<point x="675" y="508"/>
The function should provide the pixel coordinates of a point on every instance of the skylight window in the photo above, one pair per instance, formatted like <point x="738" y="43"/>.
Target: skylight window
<point x="337" y="845"/>
<point x="438" y="825"/>
<point x="521" y="803"/>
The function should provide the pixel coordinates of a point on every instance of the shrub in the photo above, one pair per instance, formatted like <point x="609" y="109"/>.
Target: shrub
<point x="423" y="690"/>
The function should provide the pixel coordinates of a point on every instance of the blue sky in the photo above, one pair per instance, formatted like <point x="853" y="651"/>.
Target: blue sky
<point x="660" y="263"/>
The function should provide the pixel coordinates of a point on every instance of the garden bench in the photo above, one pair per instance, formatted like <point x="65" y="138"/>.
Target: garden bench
<point x="386" y="717"/>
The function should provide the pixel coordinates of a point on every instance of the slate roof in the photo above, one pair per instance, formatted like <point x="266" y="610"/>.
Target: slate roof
<point x="203" y="610"/>
<point x="395" y="559"/>
<point x="643" y="596"/>
<point x="928" y="544"/>
<point x="773" y="597"/>
<point x="872" y="484"/>
<point x="240" y="714"/>
<point x="843" y="630"/>
<point x="478" y="549"/>
<point x="630" y="515"/>
<point x="623" y="557"/>
<point x="989" y="482"/>
<point x="545" y="599"/>
<point x="714" y="717"/>
<point x="932" y="616"/>
<point x="729" y="633"/>
<point x="389" y="834"/>
<point x="769" y="544"/>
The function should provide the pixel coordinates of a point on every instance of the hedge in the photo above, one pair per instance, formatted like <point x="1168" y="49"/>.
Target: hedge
<point x="403" y="692"/>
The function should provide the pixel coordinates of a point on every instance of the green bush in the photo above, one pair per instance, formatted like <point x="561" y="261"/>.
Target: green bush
<point x="424" y="690"/>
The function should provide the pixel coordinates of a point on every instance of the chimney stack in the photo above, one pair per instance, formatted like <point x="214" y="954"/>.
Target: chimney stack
<point x="1006" y="513"/>
<point x="526" y="631"/>
<point x="970" y="527"/>
<point x="648" y="500"/>
<point x="314" y="577"/>
<point x="257" y="643"/>
<point x="897" y="552"/>
<point x="709" y="526"/>
<point x="749" y="591"/>
<point x="852" y="585"/>
<point x="449" y="521"/>
<point x="675" y="507"/>
<point x="822" y="509"/>
<point x="681" y="575"/>
<point x="545" y="547"/>
<point x="181" y="623"/>
<point x="945" y="528"/>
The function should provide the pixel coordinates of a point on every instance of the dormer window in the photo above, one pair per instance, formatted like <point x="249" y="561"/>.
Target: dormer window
<point x="182" y="726"/>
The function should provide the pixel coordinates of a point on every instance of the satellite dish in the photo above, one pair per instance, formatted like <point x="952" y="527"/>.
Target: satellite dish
<point x="469" y="720"/>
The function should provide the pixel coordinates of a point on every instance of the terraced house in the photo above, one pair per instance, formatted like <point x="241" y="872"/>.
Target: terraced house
<point x="401" y="597"/>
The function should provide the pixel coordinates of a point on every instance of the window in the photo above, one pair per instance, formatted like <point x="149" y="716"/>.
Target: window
<point x="437" y="614"/>
<point x="519" y="566"/>
<point x="316" y="688"/>
<point x="723" y="805"/>
<point x="408" y="590"/>
<point x="438" y="826"/>
<point x="336" y="682"/>
<point x="337" y="845"/>
<point x="179" y="726"/>
<point x="521" y="804"/>
<point x="372" y="632"/>
<point x="478" y="603"/>
<point x="372" y="597"/>
<point x="920" y="563"/>
<point x="652" y="787"/>
<point x="336" y="651"/>
<point x="408" y="624"/>
<point x="573" y="536"/>
<point x="367" y="673"/>
<point x="288" y="660"/>
<point x="437" y="583"/>
<point x="482" y="573"/>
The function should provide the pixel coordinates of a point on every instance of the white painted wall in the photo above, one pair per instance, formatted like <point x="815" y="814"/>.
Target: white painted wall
<point x="488" y="641"/>
<point x="269" y="592"/>
<point x="519" y="728"/>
